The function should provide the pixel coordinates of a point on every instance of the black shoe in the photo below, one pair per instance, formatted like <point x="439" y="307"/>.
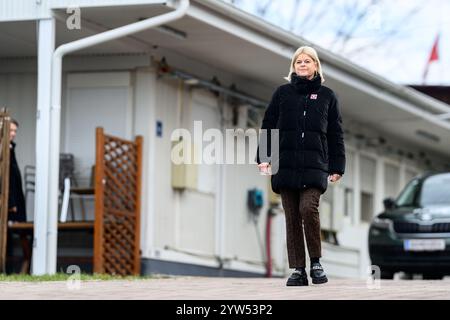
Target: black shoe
<point x="298" y="278"/>
<point x="317" y="274"/>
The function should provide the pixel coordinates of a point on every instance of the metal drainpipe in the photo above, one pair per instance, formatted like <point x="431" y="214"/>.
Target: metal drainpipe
<point x="269" y="242"/>
<point x="55" y="113"/>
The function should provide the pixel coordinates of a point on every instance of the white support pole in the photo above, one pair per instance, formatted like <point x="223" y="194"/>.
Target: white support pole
<point x="60" y="52"/>
<point x="152" y="170"/>
<point x="46" y="46"/>
<point x="53" y="177"/>
<point x="145" y="119"/>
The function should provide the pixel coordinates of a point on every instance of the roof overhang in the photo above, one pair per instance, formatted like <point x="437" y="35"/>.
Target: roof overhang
<point x="225" y="38"/>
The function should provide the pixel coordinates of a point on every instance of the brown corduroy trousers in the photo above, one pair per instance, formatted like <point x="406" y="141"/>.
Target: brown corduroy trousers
<point x="301" y="209"/>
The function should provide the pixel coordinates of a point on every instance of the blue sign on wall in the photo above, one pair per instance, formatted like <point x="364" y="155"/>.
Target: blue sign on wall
<point x="159" y="128"/>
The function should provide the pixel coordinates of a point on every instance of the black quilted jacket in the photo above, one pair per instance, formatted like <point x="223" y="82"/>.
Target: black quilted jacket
<point x="311" y="142"/>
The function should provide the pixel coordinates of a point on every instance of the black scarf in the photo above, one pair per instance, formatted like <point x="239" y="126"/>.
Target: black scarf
<point x="304" y="85"/>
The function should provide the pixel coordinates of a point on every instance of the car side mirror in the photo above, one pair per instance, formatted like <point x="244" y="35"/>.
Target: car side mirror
<point x="389" y="203"/>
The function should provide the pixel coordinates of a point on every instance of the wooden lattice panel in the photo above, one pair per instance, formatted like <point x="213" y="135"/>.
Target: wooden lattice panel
<point x="4" y="185"/>
<point x="117" y="208"/>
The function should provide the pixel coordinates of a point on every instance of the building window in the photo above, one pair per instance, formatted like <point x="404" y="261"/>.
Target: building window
<point x="367" y="206"/>
<point x="347" y="183"/>
<point x="368" y="180"/>
<point x="348" y="202"/>
<point x="391" y="180"/>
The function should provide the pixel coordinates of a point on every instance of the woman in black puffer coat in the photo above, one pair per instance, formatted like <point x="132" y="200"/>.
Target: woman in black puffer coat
<point x="311" y="152"/>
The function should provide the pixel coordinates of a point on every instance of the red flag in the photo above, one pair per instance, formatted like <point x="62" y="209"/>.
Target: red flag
<point x="434" y="56"/>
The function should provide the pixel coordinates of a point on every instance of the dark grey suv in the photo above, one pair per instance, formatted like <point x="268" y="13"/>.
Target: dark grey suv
<point x="413" y="233"/>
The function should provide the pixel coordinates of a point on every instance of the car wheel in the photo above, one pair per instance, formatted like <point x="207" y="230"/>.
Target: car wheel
<point x="432" y="276"/>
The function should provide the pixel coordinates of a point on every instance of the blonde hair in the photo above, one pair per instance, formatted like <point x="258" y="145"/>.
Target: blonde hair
<point x="310" y="52"/>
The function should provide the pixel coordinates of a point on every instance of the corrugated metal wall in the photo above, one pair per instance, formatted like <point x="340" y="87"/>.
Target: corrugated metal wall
<point x="15" y="10"/>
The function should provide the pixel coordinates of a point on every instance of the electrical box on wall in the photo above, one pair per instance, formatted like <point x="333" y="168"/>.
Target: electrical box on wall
<point x="255" y="200"/>
<point x="184" y="175"/>
<point x="274" y="199"/>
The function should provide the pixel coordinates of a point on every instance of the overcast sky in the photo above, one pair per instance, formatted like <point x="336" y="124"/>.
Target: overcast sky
<point x="392" y="38"/>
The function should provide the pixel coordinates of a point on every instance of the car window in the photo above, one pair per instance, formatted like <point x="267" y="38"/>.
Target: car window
<point x="436" y="190"/>
<point x="408" y="197"/>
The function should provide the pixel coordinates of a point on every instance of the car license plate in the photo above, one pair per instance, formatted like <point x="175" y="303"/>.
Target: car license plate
<point x="424" y="245"/>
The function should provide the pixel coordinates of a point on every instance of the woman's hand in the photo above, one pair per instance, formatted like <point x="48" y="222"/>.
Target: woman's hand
<point x="264" y="167"/>
<point x="334" y="177"/>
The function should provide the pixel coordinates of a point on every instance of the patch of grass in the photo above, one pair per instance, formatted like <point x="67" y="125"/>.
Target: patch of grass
<point x="66" y="276"/>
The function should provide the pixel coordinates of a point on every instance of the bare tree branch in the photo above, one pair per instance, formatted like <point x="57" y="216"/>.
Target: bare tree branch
<point x="294" y="15"/>
<point x="310" y="16"/>
<point x="390" y="35"/>
<point x="261" y="9"/>
<point x="358" y="20"/>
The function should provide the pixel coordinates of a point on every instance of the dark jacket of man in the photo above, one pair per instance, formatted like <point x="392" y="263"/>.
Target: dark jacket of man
<point x="16" y="197"/>
<point x="311" y="143"/>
